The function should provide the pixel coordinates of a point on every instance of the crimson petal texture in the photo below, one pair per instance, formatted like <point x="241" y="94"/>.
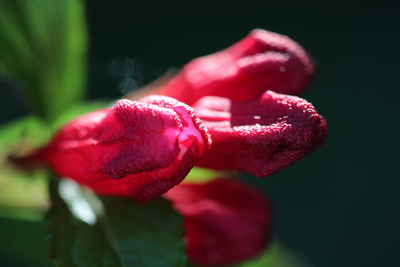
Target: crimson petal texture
<point x="225" y="221"/>
<point x="136" y="149"/>
<point x="259" y="136"/>
<point x="262" y="61"/>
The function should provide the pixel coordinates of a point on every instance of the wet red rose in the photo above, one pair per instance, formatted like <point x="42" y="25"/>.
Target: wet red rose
<point x="261" y="61"/>
<point x="259" y="136"/>
<point x="225" y="221"/>
<point x="136" y="149"/>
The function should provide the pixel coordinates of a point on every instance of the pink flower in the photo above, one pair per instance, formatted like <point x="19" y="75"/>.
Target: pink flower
<point x="261" y="61"/>
<point x="225" y="221"/>
<point x="259" y="136"/>
<point x="136" y="149"/>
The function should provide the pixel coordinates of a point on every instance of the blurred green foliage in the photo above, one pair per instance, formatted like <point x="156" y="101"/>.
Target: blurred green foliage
<point x="43" y="48"/>
<point x="22" y="135"/>
<point x="24" y="242"/>
<point x="23" y="194"/>
<point x="277" y="256"/>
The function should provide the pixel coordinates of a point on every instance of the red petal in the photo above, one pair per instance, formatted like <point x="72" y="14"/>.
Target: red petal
<point x="138" y="149"/>
<point x="259" y="136"/>
<point x="261" y="61"/>
<point x="225" y="221"/>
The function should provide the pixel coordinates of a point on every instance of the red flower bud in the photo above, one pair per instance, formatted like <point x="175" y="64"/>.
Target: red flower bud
<point x="225" y="221"/>
<point x="261" y="61"/>
<point x="259" y="136"/>
<point x="136" y="149"/>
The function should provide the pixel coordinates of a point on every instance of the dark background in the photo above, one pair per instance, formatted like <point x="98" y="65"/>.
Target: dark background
<point x="338" y="206"/>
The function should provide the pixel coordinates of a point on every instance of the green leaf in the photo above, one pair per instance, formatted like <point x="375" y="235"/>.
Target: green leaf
<point x="202" y="175"/>
<point x="21" y="136"/>
<point x="23" y="194"/>
<point x="276" y="256"/>
<point x="88" y="231"/>
<point x="24" y="243"/>
<point x="43" y="47"/>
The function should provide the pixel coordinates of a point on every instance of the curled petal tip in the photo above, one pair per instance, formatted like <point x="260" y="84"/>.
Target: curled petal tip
<point x="260" y="136"/>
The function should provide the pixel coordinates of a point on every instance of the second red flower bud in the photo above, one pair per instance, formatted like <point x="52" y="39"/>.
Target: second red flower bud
<point x="262" y="61"/>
